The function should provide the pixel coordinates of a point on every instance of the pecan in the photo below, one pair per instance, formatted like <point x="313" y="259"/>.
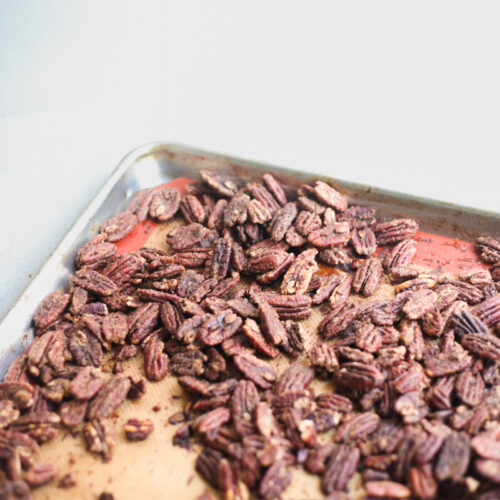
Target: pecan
<point x="222" y="184"/>
<point x="299" y="274"/>
<point x="363" y="241"/>
<point x="419" y="303"/>
<point x="40" y="474"/>
<point x="73" y="412"/>
<point x="294" y="342"/>
<point x="340" y="468"/>
<point x="282" y="220"/>
<point x="295" y="379"/>
<point x="483" y="345"/>
<point x="14" y="490"/>
<point x="155" y="360"/>
<point x="94" y="282"/>
<point x="270" y="323"/>
<point x="99" y="437"/>
<point x="109" y="398"/>
<point x="188" y="363"/>
<point x="261" y="194"/>
<point x="323" y="356"/>
<point x="358" y="427"/>
<point x="454" y="456"/>
<point x="243" y="307"/>
<point x="215" y="219"/>
<point x="326" y="288"/>
<point x="142" y="322"/>
<point x="275" y="188"/>
<point x="118" y="227"/>
<point x="291" y="306"/>
<point x="96" y="252"/>
<point x="306" y="222"/>
<point x="85" y="349"/>
<point x="355" y="375"/>
<point x="258" y="212"/>
<point x="140" y="204"/>
<point x="215" y="329"/>
<point x="367" y="277"/>
<point x="41" y="426"/>
<point x="164" y="204"/>
<point x="386" y="489"/>
<point x="51" y="309"/>
<point x="252" y="331"/>
<point x="275" y="480"/>
<point x="256" y="370"/>
<point x="221" y="256"/>
<point x="8" y="413"/>
<point x="192" y="209"/>
<point x="401" y="254"/>
<point x="470" y="388"/>
<point x="337" y="234"/>
<point x="55" y="390"/>
<point x="237" y="210"/>
<point x="330" y="196"/>
<point x="486" y="446"/>
<point x="341" y="292"/>
<point x="353" y="354"/>
<point x="20" y="393"/>
<point x="395" y="230"/>
<point x="272" y="275"/>
<point x="446" y="363"/>
<point x="488" y="311"/>
<point x="243" y="404"/>
<point x="115" y="328"/>
<point x="137" y="429"/>
<point x="212" y="420"/>
<point x="191" y="236"/>
<point x="338" y="320"/>
<point x="334" y="257"/>
<point x="489" y="248"/>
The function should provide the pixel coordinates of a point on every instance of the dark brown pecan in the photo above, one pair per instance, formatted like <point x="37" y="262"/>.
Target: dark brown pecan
<point x="401" y="254"/>
<point x="367" y="277"/>
<point x="362" y="376"/>
<point x="221" y="257"/>
<point x="270" y="323"/>
<point x="73" y="412"/>
<point x="192" y="209"/>
<point x="454" y="457"/>
<point x="386" y="489"/>
<point x="51" y="309"/>
<point x="275" y="188"/>
<point x="41" y="426"/>
<point x="323" y="356"/>
<point x="299" y="274"/>
<point x="488" y="311"/>
<point x="358" y="216"/>
<point x="155" y="360"/>
<point x="207" y="464"/>
<point x="215" y="219"/>
<point x="294" y="343"/>
<point x="467" y="292"/>
<point x="217" y="328"/>
<point x="85" y="349"/>
<point x="482" y="345"/>
<point x="330" y="196"/>
<point x="275" y="480"/>
<point x="78" y="300"/>
<point x="243" y="307"/>
<point x="118" y="227"/>
<point x="258" y="212"/>
<point x="395" y="230"/>
<point x="99" y="437"/>
<point x="188" y="363"/>
<point x="96" y="252"/>
<point x="143" y="321"/>
<point x="353" y="354"/>
<point x="94" y="282"/>
<point x="140" y="204"/>
<point x="489" y="249"/>
<point x="334" y="257"/>
<point x="237" y="210"/>
<point x="439" y="394"/>
<point x="260" y="193"/>
<point x="20" y="393"/>
<point x="164" y="203"/>
<point x="341" y="292"/>
<point x="244" y="401"/>
<point x="222" y="184"/>
<point x="109" y="398"/>
<point x="341" y="466"/>
<point x="191" y="236"/>
<point x="470" y="388"/>
<point x="316" y="458"/>
<point x="258" y="371"/>
<point x="419" y="303"/>
<point x="291" y="306"/>
<point x="307" y="222"/>
<point x="495" y="271"/>
<point x="368" y="338"/>
<point x="446" y="363"/>
<point x="295" y="379"/>
<point x="40" y="474"/>
<point x="282" y="220"/>
<point x="8" y="413"/>
<point x="252" y="331"/>
<point x="338" y="320"/>
<point x="115" y="328"/>
<point x="358" y="427"/>
<point x="212" y="420"/>
<point x="266" y="260"/>
<point x="137" y="429"/>
<point x="15" y="490"/>
<point x="273" y="274"/>
<point x="326" y="288"/>
<point x="363" y="241"/>
<point x="335" y="235"/>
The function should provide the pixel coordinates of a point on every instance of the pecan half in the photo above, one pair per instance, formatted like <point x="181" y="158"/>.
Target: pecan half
<point x="164" y="204"/>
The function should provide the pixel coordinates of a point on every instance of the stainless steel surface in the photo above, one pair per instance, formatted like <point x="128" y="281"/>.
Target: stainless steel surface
<point x="157" y="163"/>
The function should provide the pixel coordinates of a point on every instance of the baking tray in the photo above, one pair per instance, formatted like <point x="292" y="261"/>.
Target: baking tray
<point x="158" y="163"/>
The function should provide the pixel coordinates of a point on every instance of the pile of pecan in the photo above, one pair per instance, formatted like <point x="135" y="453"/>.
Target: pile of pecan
<point x="412" y="379"/>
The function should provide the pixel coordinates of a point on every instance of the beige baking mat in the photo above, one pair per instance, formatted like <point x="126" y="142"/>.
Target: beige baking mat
<point x="155" y="468"/>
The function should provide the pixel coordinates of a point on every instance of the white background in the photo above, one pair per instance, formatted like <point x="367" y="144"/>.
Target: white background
<point x="403" y="95"/>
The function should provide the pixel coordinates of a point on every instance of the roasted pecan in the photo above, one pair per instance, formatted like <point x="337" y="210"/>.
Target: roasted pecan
<point x="140" y="204"/>
<point x="40" y="474"/>
<point x="118" y="227"/>
<point x="8" y="413"/>
<point x="115" y="328"/>
<point x="275" y="480"/>
<point x="164" y="203"/>
<point x="237" y="210"/>
<point x="338" y="320"/>
<point x="137" y="429"/>
<point x="222" y="184"/>
<point x="401" y="254"/>
<point x="323" y="356"/>
<point x="217" y="328"/>
<point x="386" y="489"/>
<point x="275" y="188"/>
<point x="454" y="456"/>
<point x="261" y="194"/>
<point x="109" y="398"/>
<point x="188" y="363"/>
<point x="395" y="230"/>
<point x="367" y="277"/>
<point x="51" y="309"/>
<point x="142" y="322"/>
<point x="221" y="257"/>
<point x="483" y="345"/>
<point x="270" y="323"/>
<point x="73" y="412"/>
<point x="362" y="376"/>
<point x="85" y="349"/>
<point x="470" y="388"/>
<point x="363" y="241"/>
<point x="244" y="401"/>
<point x="294" y="343"/>
<point x="337" y="234"/>
<point x="340" y="468"/>
<point x="96" y="252"/>
<point x="307" y="222"/>
<point x="330" y="196"/>
<point x="334" y="257"/>
<point x="94" y="282"/>
<point x="258" y="212"/>
<point x="295" y="379"/>
<point x="41" y="426"/>
<point x="191" y="236"/>
<point x="282" y="220"/>
<point x="299" y="274"/>
<point x="99" y="437"/>
<point x="256" y="370"/>
<point x="155" y="360"/>
<point x="20" y="393"/>
<point x="489" y="248"/>
<point x="488" y="311"/>
<point x="252" y="331"/>
<point x="192" y="209"/>
<point x="326" y="288"/>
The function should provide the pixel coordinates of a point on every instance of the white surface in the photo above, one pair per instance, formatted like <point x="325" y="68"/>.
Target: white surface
<point x="403" y="95"/>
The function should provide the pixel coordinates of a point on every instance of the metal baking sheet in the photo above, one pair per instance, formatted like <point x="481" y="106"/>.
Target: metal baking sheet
<point x="158" y="163"/>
